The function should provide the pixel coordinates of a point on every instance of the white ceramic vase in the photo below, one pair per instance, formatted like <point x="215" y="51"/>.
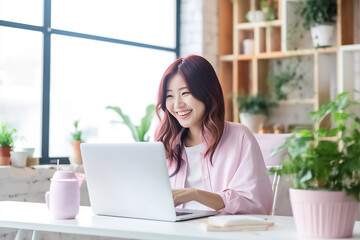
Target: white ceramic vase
<point x="248" y="46"/>
<point x="321" y="35"/>
<point x="253" y="121"/>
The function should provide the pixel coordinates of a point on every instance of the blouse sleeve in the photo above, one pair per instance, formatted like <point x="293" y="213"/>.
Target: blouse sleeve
<point x="249" y="190"/>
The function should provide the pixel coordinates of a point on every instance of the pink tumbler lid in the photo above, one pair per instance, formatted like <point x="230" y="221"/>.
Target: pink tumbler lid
<point x="64" y="176"/>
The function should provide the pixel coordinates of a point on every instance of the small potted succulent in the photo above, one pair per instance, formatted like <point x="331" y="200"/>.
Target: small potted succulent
<point x="7" y="139"/>
<point x="320" y="16"/>
<point x="268" y="8"/>
<point x="77" y="139"/>
<point x="138" y="132"/>
<point x="253" y="110"/>
<point x="325" y="167"/>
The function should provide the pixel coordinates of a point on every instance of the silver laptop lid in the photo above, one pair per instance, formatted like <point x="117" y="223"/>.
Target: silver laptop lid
<point x="128" y="180"/>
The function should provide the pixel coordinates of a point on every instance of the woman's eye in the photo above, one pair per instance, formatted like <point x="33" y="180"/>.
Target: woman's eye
<point x="168" y="96"/>
<point x="185" y="93"/>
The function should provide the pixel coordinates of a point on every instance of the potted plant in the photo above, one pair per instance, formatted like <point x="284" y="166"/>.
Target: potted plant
<point x="253" y="110"/>
<point x="76" y="141"/>
<point x="138" y="132"/>
<point x="7" y="139"/>
<point x="325" y="168"/>
<point x="286" y="80"/>
<point x="320" y="16"/>
<point x="268" y="8"/>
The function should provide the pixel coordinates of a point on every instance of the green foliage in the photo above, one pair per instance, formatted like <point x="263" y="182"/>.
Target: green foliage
<point x="318" y="12"/>
<point x="77" y="134"/>
<point x="7" y="135"/>
<point x="138" y="132"/>
<point x="286" y="77"/>
<point x="268" y="9"/>
<point x="295" y="30"/>
<point x="258" y="104"/>
<point x="326" y="158"/>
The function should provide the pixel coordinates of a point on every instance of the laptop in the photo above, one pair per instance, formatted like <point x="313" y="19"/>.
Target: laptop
<point x="131" y="180"/>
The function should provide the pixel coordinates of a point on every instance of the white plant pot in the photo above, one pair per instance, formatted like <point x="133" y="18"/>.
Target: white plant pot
<point x="321" y="35"/>
<point x="253" y="121"/>
<point x="286" y="89"/>
<point x="18" y="158"/>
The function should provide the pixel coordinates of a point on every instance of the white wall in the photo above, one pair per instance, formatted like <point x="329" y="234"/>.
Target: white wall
<point x="199" y="29"/>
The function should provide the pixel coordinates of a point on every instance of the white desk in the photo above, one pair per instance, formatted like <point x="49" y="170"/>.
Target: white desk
<point x="35" y="216"/>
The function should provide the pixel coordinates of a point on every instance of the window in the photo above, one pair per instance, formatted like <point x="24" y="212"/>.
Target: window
<point x="66" y="60"/>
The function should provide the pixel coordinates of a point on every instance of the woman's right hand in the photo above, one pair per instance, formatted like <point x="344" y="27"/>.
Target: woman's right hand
<point x="183" y="195"/>
<point x="212" y="200"/>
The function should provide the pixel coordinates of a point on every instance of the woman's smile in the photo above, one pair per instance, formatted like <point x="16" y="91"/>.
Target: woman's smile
<point x="184" y="114"/>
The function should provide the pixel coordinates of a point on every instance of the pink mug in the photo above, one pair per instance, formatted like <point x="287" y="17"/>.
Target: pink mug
<point x="63" y="199"/>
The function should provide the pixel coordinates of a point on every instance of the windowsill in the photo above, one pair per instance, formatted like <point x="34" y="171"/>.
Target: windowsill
<point x="62" y="167"/>
<point x="44" y="172"/>
<point x="29" y="184"/>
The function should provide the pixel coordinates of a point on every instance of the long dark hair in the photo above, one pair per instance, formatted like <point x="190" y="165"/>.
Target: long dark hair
<point x="204" y="85"/>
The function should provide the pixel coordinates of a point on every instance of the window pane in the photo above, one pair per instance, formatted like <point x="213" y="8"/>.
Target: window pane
<point x="21" y="84"/>
<point x="22" y="11"/>
<point x="151" y="22"/>
<point x="89" y="75"/>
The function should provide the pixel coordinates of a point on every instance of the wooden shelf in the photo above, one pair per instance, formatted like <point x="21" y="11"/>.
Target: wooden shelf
<point x="271" y="55"/>
<point x="302" y="52"/>
<point x="350" y="48"/>
<point x="297" y="101"/>
<point x="227" y="58"/>
<point x="325" y="68"/>
<point x="280" y="54"/>
<point x="252" y="25"/>
<point x="245" y="57"/>
<point x="327" y="50"/>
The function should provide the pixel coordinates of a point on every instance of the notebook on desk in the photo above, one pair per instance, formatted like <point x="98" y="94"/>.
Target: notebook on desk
<point x="131" y="180"/>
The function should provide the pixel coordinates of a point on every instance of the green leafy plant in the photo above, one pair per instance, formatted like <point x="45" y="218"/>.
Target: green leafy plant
<point x="138" y="132"/>
<point x="7" y="135"/>
<point x="268" y="8"/>
<point x="258" y="104"/>
<point x="316" y="12"/>
<point x="286" y="77"/>
<point x="326" y="158"/>
<point x="77" y="134"/>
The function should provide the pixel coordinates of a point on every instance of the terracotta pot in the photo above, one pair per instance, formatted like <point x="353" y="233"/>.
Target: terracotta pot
<point x="76" y="157"/>
<point x="5" y="155"/>
<point x="323" y="214"/>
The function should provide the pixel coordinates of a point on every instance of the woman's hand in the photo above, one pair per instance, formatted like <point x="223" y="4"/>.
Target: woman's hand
<point x="209" y="199"/>
<point x="183" y="195"/>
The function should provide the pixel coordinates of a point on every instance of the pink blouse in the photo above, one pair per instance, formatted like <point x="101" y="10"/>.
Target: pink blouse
<point x="237" y="173"/>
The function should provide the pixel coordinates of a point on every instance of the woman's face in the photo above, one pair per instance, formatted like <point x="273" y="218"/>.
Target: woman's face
<point x="182" y="104"/>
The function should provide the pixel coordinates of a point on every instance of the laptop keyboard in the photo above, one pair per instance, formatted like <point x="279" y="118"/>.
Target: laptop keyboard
<point x="182" y="213"/>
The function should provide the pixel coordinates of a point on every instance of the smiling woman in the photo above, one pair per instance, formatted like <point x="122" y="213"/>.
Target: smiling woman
<point x="212" y="163"/>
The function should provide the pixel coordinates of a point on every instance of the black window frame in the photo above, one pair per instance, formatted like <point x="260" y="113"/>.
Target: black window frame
<point x="47" y="32"/>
